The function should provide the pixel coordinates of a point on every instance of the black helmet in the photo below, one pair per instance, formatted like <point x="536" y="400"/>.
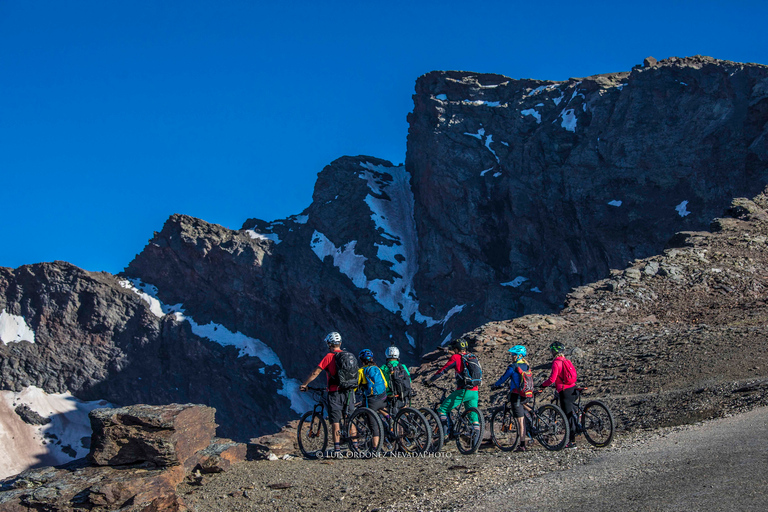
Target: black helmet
<point x="556" y="347"/>
<point x="459" y="344"/>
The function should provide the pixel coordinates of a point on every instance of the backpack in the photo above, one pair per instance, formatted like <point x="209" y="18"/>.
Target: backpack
<point x="569" y="371"/>
<point x="376" y="380"/>
<point x="346" y="370"/>
<point x="471" y="371"/>
<point x="525" y="387"/>
<point x="399" y="381"/>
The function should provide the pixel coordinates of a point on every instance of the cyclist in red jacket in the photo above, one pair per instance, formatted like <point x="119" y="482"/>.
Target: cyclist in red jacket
<point x="563" y="376"/>
<point x="339" y="402"/>
<point x="465" y="392"/>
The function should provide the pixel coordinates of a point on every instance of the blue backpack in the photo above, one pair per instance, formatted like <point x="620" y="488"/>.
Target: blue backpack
<point x="376" y="382"/>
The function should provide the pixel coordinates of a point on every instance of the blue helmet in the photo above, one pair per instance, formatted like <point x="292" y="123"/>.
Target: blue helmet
<point x="365" y="356"/>
<point x="519" y="350"/>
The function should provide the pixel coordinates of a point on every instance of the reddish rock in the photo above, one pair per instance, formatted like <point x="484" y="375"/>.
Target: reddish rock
<point x="172" y="503"/>
<point x="217" y="457"/>
<point x="161" y="435"/>
<point x="282" y="443"/>
<point x="80" y="486"/>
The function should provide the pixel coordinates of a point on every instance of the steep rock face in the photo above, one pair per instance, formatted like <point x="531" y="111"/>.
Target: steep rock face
<point x="99" y="339"/>
<point x="556" y="182"/>
<point x="513" y="192"/>
<point x="346" y="264"/>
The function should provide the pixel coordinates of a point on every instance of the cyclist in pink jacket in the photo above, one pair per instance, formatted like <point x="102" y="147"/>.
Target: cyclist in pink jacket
<point x="563" y="376"/>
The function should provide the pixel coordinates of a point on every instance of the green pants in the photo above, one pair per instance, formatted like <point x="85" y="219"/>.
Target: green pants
<point x="455" y="399"/>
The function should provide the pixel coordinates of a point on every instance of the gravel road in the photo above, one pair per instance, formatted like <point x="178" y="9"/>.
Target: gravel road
<point x="717" y="465"/>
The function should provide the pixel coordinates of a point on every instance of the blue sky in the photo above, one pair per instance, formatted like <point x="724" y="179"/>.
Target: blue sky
<point x="115" y="115"/>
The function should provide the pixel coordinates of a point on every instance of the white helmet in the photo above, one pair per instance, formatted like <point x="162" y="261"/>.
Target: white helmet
<point x="392" y="352"/>
<point x="333" y="338"/>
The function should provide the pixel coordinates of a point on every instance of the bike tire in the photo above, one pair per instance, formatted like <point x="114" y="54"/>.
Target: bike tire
<point x="505" y="431"/>
<point x="468" y="439"/>
<point x="367" y="425"/>
<point x="312" y="435"/>
<point x="436" y="429"/>
<point x="551" y="427"/>
<point x="597" y="424"/>
<point x="412" y="431"/>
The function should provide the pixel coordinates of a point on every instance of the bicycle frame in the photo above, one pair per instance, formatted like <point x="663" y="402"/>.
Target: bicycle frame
<point x="322" y="405"/>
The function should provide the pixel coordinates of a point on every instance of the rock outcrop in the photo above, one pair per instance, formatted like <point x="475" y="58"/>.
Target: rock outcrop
<point x="99" y="338"/>
<point x="140" y="455"/>
<point x="162" y="436"/>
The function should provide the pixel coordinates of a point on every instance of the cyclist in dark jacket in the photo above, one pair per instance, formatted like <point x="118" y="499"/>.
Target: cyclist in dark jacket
<point x="393" y="361"/>
<point x="515" y="385"/>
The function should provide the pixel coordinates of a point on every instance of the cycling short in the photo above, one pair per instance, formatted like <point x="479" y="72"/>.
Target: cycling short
<point x="517" y="401"/>
<point x="377" y="402"/>
<point x="337" y="402"/>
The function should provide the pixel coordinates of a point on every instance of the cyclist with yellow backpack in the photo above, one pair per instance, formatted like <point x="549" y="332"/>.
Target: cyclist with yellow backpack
<point x="520" y="387"/>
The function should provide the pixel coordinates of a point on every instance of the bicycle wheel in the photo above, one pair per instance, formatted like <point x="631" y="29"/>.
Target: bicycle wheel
<point x="505" y="431"/>
<point x="469" y="435"/>
<point x="412" y="431"/>
<point x="435" y="429"/>
<point x="362" y="427"/>
<point x="551" y="427"/>
<point x="312" y="435"/>
<point x="598" y="424"/>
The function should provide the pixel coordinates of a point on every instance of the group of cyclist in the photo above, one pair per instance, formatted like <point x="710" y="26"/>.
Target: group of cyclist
<point x="375" y="384"/>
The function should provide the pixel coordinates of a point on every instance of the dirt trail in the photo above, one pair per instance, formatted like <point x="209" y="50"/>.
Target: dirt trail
<point x="718" y="465"/>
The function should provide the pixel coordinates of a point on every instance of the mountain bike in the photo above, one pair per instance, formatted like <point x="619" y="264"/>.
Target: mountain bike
<point x="547" y="424"/>
<point x="594" y="420"/>
<point x="468" y="435"/>
<point x="406" y="429"/>
<point x="358" y="430"/>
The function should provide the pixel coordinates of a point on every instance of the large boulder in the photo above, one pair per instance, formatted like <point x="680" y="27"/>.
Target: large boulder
<point x="78" y="486"/>
<point x="163" y="436"/>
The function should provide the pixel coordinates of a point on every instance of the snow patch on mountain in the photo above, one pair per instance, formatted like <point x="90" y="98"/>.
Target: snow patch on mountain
<point x="515" y="282"/>
<point x="569" y="119"/>
<point x="392" y="205"/>
<point x="481" y="135"/>
<point x="344" y="258"/>
<point x="65" y="438"/>
<point x="263" y="236"/>
<point x="247" y="346"/>
<point x="532" y="112"/>
<point x="13" y="329"/>
<point x="478" y="103"/>
<point x="682" y="209"/>
<point x="150" y="298"/>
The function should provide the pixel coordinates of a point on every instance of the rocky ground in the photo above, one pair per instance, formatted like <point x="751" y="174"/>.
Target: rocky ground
<point x="669" y="341"/>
